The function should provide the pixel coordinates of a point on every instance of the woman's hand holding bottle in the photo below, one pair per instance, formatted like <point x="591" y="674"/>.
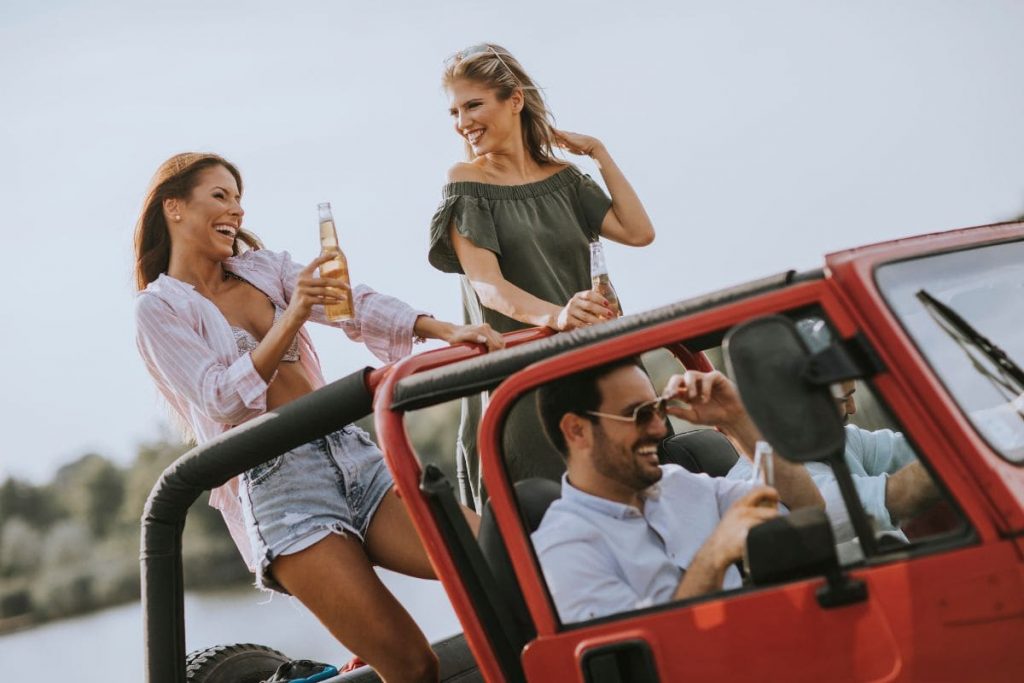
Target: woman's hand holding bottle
<point x="584" y="308"/>
<point x="311" y="290"/>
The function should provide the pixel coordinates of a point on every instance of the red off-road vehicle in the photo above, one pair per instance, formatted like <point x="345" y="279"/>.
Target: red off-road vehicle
<point x="932" y="330"/>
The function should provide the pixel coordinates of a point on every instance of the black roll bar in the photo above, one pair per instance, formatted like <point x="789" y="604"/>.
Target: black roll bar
<point x="487" y="371"/>
<point x="206" y="467"/>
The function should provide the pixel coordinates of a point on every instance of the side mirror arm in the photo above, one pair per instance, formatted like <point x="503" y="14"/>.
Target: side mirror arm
<point x="858" y="517"/>
<point x="841" y="589"/>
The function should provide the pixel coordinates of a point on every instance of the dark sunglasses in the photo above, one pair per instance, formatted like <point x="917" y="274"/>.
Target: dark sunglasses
<point x="644" y="413"/>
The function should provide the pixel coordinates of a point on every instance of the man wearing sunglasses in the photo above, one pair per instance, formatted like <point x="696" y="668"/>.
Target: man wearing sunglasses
<point x="892" y="484"/>
<point x="629" y="532"/>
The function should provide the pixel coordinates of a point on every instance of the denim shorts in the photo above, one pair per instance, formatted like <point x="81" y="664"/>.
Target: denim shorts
<point x="333" y="484"/>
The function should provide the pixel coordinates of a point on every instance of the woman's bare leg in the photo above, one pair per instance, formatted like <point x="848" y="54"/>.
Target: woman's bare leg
<point x="392" y="542"/>
<point x="336" y="581"/>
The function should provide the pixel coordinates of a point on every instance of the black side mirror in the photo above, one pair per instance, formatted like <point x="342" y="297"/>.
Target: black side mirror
<point x="768" y="359"/>
<point x="793" y="546"/>
<point x="788" y="398"/>
<point x="801" y="545"/>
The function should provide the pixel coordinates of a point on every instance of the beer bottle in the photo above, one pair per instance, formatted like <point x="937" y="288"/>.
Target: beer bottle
<point x="600" y="282"/>
<point x="337" y="267"/>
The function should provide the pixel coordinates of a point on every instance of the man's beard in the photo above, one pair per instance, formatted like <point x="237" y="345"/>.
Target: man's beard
<point x="621" y="463"/>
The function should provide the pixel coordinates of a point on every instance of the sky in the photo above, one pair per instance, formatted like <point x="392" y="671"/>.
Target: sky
<point x="760" y="136"/>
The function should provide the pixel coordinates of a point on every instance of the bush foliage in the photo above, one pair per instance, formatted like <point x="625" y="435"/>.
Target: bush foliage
<point x="72" y="545"/>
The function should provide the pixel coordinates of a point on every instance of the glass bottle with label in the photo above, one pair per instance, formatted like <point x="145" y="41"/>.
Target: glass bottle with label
<point x="600" y="282"/>
<point x="337" y="267"/>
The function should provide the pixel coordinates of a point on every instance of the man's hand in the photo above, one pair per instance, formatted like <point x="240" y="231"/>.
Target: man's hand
<point x="714" y="401"/>
<point x="727" y="543"/>
<point x="729" y="539"/>
<point x="910" y="491"/>
<point x="711" y="399"/>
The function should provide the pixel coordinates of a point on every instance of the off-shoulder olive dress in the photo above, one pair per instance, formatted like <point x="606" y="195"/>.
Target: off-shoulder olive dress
<point x="540" y="233"/>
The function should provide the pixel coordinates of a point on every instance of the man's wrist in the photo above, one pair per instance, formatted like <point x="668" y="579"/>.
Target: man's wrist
<point x="744" y="432"/>
<point x="711" y="559"/>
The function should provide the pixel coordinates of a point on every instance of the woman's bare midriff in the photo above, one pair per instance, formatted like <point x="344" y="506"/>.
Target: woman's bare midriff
<point x="291" y="383"/>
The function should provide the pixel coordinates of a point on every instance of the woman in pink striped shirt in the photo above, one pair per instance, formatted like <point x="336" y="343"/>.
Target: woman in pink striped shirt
<point x="220" y="328"/>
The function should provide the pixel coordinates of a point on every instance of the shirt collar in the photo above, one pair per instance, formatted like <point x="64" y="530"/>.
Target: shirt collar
<point x="610" y="508"/>
<point x="164" y="284"/>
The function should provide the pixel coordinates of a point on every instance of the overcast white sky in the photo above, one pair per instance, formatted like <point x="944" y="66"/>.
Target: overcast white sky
<point x="760" y="136"/>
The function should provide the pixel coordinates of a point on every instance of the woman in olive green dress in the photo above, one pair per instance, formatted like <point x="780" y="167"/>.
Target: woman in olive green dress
<point x="516" y="222"/>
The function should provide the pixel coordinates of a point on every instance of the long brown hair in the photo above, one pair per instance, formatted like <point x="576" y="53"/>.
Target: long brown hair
<point x="494" y="67"/>
<point x="175" y="179"/>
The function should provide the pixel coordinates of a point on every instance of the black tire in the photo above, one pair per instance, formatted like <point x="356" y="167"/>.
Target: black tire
<point x="239" y="663"/>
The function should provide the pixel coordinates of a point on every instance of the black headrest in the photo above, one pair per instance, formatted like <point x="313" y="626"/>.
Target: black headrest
<point x="700" y="450"/>
<point x="534" y="497"/>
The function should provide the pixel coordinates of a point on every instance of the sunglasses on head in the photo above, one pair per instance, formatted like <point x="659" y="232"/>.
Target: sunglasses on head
<point x="644" y="413"/>
<point x="484" y="48"/>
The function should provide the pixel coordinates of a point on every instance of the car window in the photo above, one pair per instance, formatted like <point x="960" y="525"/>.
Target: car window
<point x="602" y="554"/>
<point x="904" y="503"/>
<point x="964" y="309"/>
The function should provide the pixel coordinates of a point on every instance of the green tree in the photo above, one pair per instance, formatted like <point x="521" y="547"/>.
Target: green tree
<point x="151" y="459"/>
<point x="31" y="503"/>
<point x="21" y="548"/>
<point x="68" y="543"/>
<point x="92" y="490"/>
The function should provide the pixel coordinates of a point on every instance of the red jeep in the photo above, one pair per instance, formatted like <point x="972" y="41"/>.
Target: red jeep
<point x="930" y="328"/>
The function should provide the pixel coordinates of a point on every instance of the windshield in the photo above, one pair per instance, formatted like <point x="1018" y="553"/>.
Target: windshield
<point x="965" y="310"/>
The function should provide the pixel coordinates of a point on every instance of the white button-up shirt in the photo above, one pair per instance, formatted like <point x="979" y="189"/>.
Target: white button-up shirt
<point x="871" y="456"/>
<point x="190" y="351"/>
<point x="600" y="557"/>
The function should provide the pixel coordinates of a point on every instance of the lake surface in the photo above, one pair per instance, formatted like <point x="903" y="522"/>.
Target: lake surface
<point x="106" y="647"/>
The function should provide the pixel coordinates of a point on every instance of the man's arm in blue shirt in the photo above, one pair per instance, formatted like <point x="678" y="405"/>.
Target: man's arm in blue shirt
<point x="581" y="575"/>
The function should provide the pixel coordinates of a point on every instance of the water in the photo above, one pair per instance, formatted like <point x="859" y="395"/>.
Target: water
<point x="107" y="646"/>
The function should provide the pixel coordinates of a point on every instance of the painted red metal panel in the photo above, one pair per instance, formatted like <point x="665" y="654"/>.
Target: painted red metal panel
<point x="852" y="273"/>
<point x="919" y="624"/>
<point x="964" y="489"/>
<point x="405" y="468"/>
<point x="953" y="615"/>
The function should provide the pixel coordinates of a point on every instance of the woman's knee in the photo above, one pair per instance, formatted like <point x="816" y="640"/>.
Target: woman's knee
<point x="415" y="665"/>
<point x="428" y="667"/>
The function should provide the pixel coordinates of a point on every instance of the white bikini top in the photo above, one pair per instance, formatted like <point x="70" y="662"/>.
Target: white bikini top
<point x="246" y="342"/>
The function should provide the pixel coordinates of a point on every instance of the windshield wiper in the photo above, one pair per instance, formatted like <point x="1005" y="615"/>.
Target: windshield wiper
<point x="1007" y="368"/>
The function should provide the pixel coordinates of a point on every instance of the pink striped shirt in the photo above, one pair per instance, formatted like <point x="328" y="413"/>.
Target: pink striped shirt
<point x="191" y="353"/>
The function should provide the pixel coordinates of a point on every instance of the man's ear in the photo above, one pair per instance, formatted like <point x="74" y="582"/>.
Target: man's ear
<point x="576" y="430"/>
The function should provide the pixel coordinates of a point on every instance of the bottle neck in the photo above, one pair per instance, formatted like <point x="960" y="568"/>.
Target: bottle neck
<point x="328" y="234"/>
<point x="597" y="264"/>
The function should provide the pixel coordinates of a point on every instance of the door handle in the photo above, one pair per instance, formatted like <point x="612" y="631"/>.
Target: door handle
<point x="628" y="661"/>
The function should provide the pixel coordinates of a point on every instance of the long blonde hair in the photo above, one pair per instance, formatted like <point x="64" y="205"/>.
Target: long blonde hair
<point x="494" y="67"/>
<point x="175" y="179"/>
